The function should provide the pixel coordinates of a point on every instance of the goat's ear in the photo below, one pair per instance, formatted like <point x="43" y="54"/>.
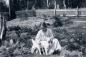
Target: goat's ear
<point x="32" y="40"/>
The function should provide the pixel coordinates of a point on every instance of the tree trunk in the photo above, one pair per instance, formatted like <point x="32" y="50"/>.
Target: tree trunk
<point x="3" y="28"/>
<point x="47" y="4"/>
<point x="55" y="7"/>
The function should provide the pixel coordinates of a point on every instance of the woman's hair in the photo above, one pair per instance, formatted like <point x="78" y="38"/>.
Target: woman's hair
<point x="44" y="25"/>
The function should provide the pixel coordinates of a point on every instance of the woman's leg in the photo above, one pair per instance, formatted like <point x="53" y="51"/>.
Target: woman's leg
<point x="55" y="46"/>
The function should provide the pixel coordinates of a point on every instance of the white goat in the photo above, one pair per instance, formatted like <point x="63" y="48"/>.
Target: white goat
<point x="35" y="46"/>
<point x="40" y="44"/>
<point x="44" y="45"/>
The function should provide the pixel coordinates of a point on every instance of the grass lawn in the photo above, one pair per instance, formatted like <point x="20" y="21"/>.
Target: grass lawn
<point x="30" y="22"/>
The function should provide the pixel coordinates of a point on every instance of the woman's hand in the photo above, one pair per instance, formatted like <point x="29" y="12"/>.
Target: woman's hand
<point x="50" y="41"/>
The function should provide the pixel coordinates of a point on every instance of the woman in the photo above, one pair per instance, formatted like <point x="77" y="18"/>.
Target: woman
<point x="46" y="33"/>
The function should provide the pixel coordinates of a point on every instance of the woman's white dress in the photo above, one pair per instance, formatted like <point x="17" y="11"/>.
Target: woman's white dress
<point x="43" y="36"/>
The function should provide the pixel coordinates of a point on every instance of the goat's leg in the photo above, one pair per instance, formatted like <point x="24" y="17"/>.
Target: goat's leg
<point x="32" y="50"/>
<point x="39" y="51"/>
<point x="46" y="51"/>
<point x="43" y="50"/>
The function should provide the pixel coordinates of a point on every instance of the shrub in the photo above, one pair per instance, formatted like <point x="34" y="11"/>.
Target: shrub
<point x="62" y="21"/>
<point x="58" y="21"/>
<point x="74" y="40"/>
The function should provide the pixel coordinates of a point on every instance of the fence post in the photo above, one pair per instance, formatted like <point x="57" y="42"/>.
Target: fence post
<point x="55" y="7"/>
<point x="78" y="12"/>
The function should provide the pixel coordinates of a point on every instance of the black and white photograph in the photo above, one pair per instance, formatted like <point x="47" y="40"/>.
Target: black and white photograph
<point x="42" y="28"/>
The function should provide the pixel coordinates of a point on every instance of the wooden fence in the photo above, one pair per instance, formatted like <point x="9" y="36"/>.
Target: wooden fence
<point x="61" y="12"/>
<point x="51" y="12"/>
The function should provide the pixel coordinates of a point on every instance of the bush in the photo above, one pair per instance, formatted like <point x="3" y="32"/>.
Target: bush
<point x="62" y="21"/>
<point x="58" y="21"/>
<point x="74" y="40"/>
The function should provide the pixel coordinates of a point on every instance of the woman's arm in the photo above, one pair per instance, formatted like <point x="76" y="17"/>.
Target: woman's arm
<point x="38" y="36"/>
<point x="51" y="34"/>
